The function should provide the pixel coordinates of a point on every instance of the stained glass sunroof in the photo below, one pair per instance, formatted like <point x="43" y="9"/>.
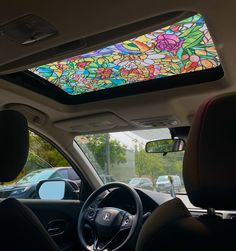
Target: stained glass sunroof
<point x="176" y="49"/>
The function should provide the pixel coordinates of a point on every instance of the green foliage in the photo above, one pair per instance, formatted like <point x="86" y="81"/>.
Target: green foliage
<point x="43" y="155"/>
<point x="105" y="150"/>
<point x="155" y="164"/>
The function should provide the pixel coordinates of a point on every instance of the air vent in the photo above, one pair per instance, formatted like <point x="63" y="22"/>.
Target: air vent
<point x="167" y="121"/>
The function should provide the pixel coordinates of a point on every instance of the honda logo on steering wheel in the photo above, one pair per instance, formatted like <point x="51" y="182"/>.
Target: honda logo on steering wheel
<point x="107" y="216"/>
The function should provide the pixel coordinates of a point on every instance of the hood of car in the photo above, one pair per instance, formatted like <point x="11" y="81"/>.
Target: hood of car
<point x="14" y="187"/>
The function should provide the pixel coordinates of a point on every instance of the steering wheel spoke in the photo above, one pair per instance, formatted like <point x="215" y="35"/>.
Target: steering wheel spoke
<point x="98" y="245"/>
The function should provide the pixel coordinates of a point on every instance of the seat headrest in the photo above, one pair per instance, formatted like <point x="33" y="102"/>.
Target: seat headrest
<point x="209" y="169"/>
<point x="14" y="144"/>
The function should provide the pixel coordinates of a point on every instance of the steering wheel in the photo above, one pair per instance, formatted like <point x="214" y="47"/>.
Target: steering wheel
<point x="107" y="223"/>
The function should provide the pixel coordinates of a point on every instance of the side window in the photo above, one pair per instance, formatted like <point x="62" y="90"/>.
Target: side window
<point x="44" y="163"/>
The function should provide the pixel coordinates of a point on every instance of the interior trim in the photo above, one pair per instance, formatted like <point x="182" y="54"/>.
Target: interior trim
<point x="37" y="84"/>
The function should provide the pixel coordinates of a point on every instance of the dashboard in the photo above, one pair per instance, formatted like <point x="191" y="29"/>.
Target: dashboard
<point x="121" y="199"/>
<point x="151" y="200"/>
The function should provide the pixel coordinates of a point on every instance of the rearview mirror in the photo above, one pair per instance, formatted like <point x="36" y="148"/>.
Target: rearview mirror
<point x="165" y="146"/>
<point x="57" y="190"/>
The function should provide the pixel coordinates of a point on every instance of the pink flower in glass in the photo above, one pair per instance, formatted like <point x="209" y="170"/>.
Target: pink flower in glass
<point x="168" y="42"/>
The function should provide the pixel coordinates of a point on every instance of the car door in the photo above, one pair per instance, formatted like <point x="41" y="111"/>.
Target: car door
<point x="59" y="217"/>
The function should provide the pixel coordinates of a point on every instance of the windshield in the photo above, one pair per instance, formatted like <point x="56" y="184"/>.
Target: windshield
<point x="35" y="176"/>
<point x="122" y="155"/>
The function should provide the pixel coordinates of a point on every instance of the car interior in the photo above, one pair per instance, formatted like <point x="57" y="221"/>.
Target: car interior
<point x="127" y="97"/>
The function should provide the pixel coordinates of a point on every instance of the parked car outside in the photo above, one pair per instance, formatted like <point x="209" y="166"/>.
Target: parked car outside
<point x="163" y="183"/>
<point x="25" y="188"/>
<point x="144" y="183"/>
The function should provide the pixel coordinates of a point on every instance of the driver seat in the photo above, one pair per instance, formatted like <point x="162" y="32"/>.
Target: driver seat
<point x="209" y="174"/>
<point x="20" y="228"/>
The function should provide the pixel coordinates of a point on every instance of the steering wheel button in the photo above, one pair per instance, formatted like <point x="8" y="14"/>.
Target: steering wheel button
<point x="125" y="221"/>
<point x="91" y="215"/>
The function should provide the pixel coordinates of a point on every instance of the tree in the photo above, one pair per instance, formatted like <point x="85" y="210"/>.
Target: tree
<point x="155" y="164"/>
<point x="148" y="164"/>
<point x="43" y="155"/>
<point x="105" y="150"/>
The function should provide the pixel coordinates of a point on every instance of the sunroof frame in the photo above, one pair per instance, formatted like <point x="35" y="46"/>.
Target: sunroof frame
<point x="37" y="84"/>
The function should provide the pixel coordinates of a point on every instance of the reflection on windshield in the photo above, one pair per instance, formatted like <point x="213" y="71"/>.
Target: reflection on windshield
<point x="122" y="156"/>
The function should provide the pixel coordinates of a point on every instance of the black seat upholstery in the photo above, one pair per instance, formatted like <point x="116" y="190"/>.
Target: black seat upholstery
<point x="209" y="174"/>
<point x="20" y="229"/>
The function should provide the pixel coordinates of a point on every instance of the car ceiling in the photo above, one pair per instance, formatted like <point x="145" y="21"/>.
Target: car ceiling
<point x="76" y="20"/>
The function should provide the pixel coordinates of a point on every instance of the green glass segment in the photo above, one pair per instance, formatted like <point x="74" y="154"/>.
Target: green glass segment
<point x="176" y="49"/>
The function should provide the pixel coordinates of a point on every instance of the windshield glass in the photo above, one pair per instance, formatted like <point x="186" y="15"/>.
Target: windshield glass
<point x="35" y="176"/>
<point x="122" y="156"/>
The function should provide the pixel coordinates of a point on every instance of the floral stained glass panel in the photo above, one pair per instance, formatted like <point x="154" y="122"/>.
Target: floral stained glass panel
<point x="176" y="49"/>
